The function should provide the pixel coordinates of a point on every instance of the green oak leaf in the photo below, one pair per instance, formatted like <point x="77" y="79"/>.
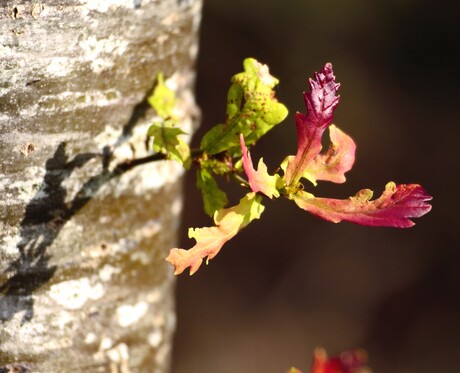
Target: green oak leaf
<point x="252" y="110"/>
<point x="166" y="140"/>
<point x="213" y="197"/>
<point x="162" y="98"/>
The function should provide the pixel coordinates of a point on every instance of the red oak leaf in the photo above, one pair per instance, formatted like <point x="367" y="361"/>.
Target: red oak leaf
<point x="333" y="164"/>
<point x="346" y="362"/>
<point x="260" y="180"/>
<point x="394" y="208"/>
<point x="321" y="102"/>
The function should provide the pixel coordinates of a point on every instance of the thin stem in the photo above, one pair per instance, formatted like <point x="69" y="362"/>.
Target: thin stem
<point x="130" y="164"/>
<point x="240" y="180"/>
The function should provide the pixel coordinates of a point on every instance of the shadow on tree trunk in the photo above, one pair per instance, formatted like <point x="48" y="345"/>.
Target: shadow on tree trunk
<point x="45" y="216"/>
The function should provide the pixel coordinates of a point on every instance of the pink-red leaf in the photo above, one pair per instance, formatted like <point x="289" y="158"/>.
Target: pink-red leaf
<point x="209" y="240"/>
<point x="260" y="180"/>
<point x="394" y="208"/>
<point x="333" y="164"/>
<point x="321" y="102"/>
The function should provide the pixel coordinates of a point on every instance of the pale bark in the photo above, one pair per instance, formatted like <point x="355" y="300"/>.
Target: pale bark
<point x="84" y="287"/>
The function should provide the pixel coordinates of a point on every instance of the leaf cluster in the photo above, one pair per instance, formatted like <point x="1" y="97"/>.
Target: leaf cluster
<point x="253" y="110"/>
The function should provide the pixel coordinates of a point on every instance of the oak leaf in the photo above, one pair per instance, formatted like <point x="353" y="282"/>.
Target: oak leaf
<point x="252" y="109"/>
<point x="167" y="140"/>
<point x="335" y="162"/>
<point x="394" y="208"/>
<point x="259" y="180"/>
<point x="209" y="240"/>
<point x="320" y="102"/>
<point x="214" y="198"/>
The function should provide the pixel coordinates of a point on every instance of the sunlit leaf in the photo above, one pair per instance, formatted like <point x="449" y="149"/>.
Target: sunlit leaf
<point x="394" y="208"/>
<point x="209" y="240"/>
<point x="252" y="110"/>
<point x="260" y="180"/>
<point x="167" y="140"/>
<point x="335" y="162"/>
<point x="320" y="102"/>
<point x="162" y="98"/>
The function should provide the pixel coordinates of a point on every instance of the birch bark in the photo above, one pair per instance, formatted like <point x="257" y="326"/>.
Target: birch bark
<point x="84" y="287"/>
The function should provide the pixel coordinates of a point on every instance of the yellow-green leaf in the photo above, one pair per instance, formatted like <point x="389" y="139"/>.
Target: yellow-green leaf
<point x="167" y="140"/>
<point x="252" y="110"/>
<point x="209" y="240"/>
<point x="162" y="98"/>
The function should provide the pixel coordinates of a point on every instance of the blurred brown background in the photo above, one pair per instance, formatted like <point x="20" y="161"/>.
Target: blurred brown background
<point x="291" y="282"/>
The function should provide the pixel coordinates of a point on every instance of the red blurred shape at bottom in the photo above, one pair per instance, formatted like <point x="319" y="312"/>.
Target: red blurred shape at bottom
<point x="347" y="362"/>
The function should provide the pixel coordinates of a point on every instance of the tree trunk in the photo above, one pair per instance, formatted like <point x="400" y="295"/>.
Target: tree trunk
<point x="84" y="287"/>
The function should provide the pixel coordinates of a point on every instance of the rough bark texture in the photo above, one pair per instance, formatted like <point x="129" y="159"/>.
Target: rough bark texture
<point x="84" y="287"/>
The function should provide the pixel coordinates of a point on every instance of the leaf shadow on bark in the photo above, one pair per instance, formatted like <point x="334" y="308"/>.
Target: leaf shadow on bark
<point x="46" y="214"/>
<point x="44" y="217"/>
<point x="15" y="368"/>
